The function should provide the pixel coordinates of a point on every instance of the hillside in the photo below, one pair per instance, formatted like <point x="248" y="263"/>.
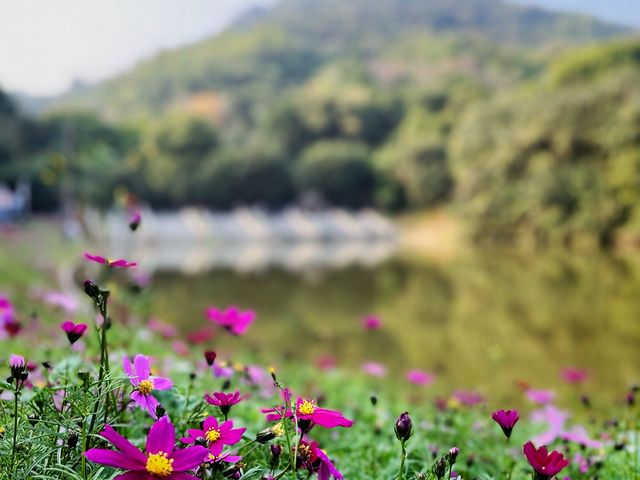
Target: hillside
<point x="266" y="52"/>
<point x="524" y="136"/>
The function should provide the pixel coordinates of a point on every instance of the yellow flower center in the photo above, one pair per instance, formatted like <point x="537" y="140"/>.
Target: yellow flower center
<point x="278" y="429"/>
<point x="158" y="464"/>
<point x="304" y="451"/>
<point x="306" y="408"/>
<point x="211" y="457"/>
<point x="145" y="387"/>
<point x="212" y="435"/>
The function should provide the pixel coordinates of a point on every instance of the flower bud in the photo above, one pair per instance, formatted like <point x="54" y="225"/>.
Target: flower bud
<point x="452" y="455"/>
<point x="210" y="357"/>
<point x="404" y="427"/>
<point x="276" y="450"/>
<point x="91" y="289"/>
<point x="265" y="436"/>
<point x="440" y="468"/>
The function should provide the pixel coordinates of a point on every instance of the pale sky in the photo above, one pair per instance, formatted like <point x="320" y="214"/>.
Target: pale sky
<point x="46" y="44"/>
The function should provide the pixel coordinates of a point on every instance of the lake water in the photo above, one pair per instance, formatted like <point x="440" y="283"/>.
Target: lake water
<point x="483" y="320"/>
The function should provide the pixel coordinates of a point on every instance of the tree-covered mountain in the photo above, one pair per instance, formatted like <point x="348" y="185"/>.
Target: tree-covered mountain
<point x="268" y="51"/>
<point x="497" y="111"/>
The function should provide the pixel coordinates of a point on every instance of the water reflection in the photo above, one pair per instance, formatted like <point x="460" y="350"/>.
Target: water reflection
<point x="483" y="320"/>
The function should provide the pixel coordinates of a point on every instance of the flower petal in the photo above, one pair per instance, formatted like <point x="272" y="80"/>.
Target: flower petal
<point x="141" y="475"/>
<point x="142" y="366"/>
<point x="161" y="383"/>
<point x="122" y="444"/>
<point x="233" y="436"/>
<point x="188" y="458"/>
<point x="113" y="459"/>
<point x="161" y="437"/>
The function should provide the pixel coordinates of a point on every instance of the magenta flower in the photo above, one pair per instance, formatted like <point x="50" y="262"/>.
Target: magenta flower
<point x="230" y="457"/>
<point x="232" y="319"/>
<point x="74" y="331"/>
<point x="61" y="300"/>
<point x="371" y="322"/>
<point x="420" y="377"/>
<point x="18" y="366"/>
<point x="160" y="459"/>
<point x="5" y="304"/>
<point x="315" y="459"/>
<point x="544" y="464"/>
<point x="543" y="397"/>
<point x="224" y="400"/>
<point x="216" y="436"/>
<point x="555" y="420"/>
<point x="134" y="220"/>
<point x="506" y="419"/>
<point x="310" y="414"/>
<point x="144" y="384"/>
<point x="468" y="398"/>
<point x="374" y="369"/>
<point x="9" y="326"/>
<point x="574" y="375"/>
<point x="108" y="262"/>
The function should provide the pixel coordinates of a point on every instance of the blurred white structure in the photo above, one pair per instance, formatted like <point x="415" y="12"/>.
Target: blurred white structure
<point x="197" y="240"/>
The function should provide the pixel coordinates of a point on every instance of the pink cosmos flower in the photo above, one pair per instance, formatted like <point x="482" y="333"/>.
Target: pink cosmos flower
<point x="200" y="336"/>
<point x="316" y="460"/>
<point x="224" y="400"/>
<point x="374" y="369"/>
<point x="574" y="375"/>
<point x="108" y="262"/>
<point x="506" y="419"/>
<point x="160" y="459"/>
<point x="555" y="420"/>
<point x="9" y="326"/>
<point x="216" y="436"/>
<point x="166" y="330"/>
<point x="468" y="398"/>
<point x="326" y="362"/>
<point x="61" y="300"/>
<point x="222" y="370"/>
<point x="180" y="347"/>
<point x="144" y="384"/>
<point x="5" y="304"/>
<point x="546" y="465"/>
<point x="371" y="322"/>
<point x="308" y="411"/>
<point x="232" y="319"/>
<point x="420" y="377"/>
<point x="74" y="331"/>
<point x="578" y="434"/>
<point x="229" y="457"/>
<point x="543" y="397"/>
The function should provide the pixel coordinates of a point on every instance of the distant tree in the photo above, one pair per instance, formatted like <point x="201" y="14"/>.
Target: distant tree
<point x="247" y="178"/>
<point x="339" y="171"/>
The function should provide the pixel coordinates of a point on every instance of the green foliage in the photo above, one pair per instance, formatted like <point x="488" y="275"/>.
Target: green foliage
<point x="339" y="171"/>
<point x="598" y="59"/>
<point x="245" y="178"/>
<point x="550" y="170"/>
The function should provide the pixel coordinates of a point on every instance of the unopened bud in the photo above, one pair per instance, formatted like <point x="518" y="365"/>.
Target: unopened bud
<point x="404" y="427"/>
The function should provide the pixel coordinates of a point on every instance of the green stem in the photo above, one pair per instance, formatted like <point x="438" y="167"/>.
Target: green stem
<point x="402" y="459"/>
<point x="83" y="460"/>
<point x="104" y="368"/>
<point x="15" y="423"/>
